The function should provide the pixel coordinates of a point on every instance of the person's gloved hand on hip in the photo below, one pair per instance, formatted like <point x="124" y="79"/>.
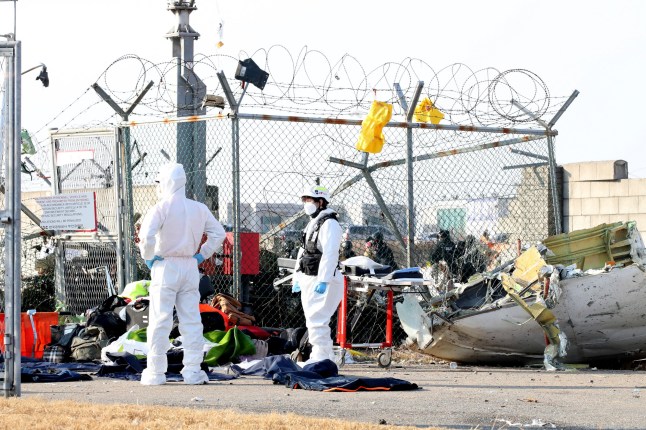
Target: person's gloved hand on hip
<point x="150" y="263"/>
<point x="199" y="257"/>
<point x="321" y="287"/>
<point x="296" y="288"/>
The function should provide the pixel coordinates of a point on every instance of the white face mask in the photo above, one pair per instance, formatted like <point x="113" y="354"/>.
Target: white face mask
<point x="310" y="208"/>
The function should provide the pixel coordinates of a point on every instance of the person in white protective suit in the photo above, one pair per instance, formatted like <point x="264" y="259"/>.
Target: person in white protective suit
<point x="317" y="275"/>
<point x="170" y="235"/>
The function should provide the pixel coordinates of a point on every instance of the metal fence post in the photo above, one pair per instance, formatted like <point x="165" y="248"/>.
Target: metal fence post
<point x="235" y="157"/>
<point x="556" y="203"/>
<point x="11" y="218"/>
<point x="131" y="266"/>
<point x="123" y="264"/>
<point x="555" y="195"/>
<point x="126" y="268"/>
<point x="410" y="213"/>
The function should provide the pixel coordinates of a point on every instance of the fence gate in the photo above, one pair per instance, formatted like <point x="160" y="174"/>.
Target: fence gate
<point x="88" y="264"/>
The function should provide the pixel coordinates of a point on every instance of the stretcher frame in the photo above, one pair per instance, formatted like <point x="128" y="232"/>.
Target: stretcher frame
<point x="366" y="284"/>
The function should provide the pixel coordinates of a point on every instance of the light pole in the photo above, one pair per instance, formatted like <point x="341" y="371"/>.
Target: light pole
<point x="10" y="216"/>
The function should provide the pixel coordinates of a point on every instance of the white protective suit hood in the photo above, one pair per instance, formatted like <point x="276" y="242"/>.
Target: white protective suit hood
<point x="171" y="178"/>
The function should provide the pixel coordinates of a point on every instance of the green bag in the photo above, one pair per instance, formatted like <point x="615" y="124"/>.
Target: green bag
<point x="231" y="344"/>
<point x="88" y="344"/>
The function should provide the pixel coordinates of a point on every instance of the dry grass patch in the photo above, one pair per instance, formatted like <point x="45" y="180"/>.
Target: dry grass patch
<point x="402" y="355"/>
<point x="37" y="414"/>
<point x="410" y="354"/>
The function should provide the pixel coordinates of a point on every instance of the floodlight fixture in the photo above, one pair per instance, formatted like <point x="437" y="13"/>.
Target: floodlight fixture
<point x="211" y="100"/>
<point x="248" y="71"/>
<point x="42" y="76"/>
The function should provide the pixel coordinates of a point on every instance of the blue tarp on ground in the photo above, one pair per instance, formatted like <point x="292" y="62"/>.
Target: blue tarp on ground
<point x="319" y="376"/>
<point x="129" y="367"/>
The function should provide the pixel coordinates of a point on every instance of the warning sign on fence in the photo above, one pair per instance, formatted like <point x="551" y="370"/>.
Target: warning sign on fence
<point x="70" y="212"/>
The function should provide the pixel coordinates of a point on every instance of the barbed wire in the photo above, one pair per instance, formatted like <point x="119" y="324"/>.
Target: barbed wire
<point x="309" y="83"/>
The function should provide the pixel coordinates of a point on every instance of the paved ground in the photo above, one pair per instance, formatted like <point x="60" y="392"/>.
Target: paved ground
<point x="462" y="398"/>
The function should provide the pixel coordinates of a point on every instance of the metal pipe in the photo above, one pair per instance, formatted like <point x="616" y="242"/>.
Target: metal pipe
<point x="121" y="276"/>
<point x="32" y="216"/>
<point x="13" y="240"/>
<point x="410" y="179"/>
<point x="524" y="166"/>
<point x="439" y="154"/>
<point x="33" y="68"/>
<point x="566" y="105"/>
<point x="126" y="266"/>
<point x="139" y="160"/>
<point x="529" y="154"/>
<point x="555" y="195"/>
<point x="401" y="97"/>
<point x="235" y="128"/>
<point x="72" y="170"/>
<point x="384" y="208"/>
<point x="9" y="52"/>
<point x="551" y="161"/>
<point x="235" y="154"/>
<point x="15" y="225"/>
<point x="39" y="172"/>
<point x="427" y="126"/>
<point x="215" y="154"/>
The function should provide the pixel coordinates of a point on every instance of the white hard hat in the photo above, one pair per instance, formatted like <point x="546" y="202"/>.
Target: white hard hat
<point x="317" y="192"/>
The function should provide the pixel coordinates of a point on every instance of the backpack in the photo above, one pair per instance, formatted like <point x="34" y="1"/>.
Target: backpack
<point x="298" y="343"/>
<point x="88" y="344"/>
<point x="63" y="335"/>
<point x="105" y="316"/>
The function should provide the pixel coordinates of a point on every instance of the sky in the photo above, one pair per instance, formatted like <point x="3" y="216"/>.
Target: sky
<point x="595" y="47"/>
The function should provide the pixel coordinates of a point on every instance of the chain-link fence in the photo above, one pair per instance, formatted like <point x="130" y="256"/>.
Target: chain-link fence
<point x="488" y="189"/>
<point x="454" y="198"/>
<point x="87" y="263"/>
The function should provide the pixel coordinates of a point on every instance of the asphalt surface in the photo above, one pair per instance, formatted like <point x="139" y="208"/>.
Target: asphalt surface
<point x="461" y="398"/>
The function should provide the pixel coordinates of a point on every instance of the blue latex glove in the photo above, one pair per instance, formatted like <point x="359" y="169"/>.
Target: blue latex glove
<point x="321" y="287"/>
<point x="199" y="258"/>
<point x="150" y="263"/>
<point x="296" y="288"/>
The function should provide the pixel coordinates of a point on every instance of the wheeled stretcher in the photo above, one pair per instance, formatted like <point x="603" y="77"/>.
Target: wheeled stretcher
<point x="369" y="284"/>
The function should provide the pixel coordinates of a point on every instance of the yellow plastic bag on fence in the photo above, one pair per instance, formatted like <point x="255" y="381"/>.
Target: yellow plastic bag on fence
<point x="426" y="111"/>
<point x="371" y="138"/>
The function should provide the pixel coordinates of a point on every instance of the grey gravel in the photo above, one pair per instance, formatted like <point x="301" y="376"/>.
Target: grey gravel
<point x="462" y="398"/>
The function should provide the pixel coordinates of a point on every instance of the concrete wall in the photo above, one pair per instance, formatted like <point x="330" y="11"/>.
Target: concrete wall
<point x="601" y="192"/>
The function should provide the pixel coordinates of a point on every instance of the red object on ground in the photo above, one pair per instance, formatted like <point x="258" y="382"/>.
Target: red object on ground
<point x="42" y="322"/>
<point x="342" y="329"/>
<point x="257" y="332"/>
<point x="208" y="308"/>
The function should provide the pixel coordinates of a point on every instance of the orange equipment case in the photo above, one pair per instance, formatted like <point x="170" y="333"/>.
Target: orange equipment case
<point x="43" y="322"/>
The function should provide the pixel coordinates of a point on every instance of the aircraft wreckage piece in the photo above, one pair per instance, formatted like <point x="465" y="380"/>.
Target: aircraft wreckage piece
<point x="598" y="314"/>
<point x="556" y="341"/>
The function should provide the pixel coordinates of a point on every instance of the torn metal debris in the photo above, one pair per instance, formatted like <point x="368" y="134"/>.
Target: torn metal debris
<point x="577" y="297"/>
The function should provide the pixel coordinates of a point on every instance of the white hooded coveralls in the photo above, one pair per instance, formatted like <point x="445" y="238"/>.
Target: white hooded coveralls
<point x="173" y="230"/>
<point x="319" y="308"/>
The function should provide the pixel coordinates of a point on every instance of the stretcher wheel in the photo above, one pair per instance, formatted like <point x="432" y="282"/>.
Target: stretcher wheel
<point x="384" y="359"/>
